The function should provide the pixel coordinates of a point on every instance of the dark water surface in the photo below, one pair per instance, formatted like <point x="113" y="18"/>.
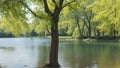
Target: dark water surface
<point x="34" y="52"/>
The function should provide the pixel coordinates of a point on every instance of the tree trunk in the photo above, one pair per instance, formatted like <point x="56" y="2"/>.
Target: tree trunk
<point x="54" y="47"/>
<point x="103" y="34"/>
<point x="117" y="34"/>
<point x="53" y="58"/>
<point x="95" y="32"/>
<point x="114" y="34"/>
<point x="89" y="29"/>
<point x="98" y="34"/>
<point x="78" y="25"/>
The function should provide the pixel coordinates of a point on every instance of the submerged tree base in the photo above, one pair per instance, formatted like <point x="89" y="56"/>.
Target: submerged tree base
<point x="52" y="66"/>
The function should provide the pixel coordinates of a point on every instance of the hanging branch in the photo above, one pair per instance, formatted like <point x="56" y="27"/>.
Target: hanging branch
<point x="30" y="9"/>
<point x="67" y="4"/>
<point x="54" y="1"/>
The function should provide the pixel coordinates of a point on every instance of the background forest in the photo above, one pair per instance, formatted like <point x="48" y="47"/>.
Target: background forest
<point x="97" y="19"/>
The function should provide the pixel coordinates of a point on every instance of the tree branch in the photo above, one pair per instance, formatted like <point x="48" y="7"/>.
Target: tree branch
<point x="56" y="6"/>
<point x="60" y="4"/>
<point x="30" y="9"/>
<point x="68" y="3"/>
<point x="54" y="1"/>
<point x="47" y="10"/>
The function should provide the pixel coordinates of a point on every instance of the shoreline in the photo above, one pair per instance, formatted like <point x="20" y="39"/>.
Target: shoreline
<point x="70" y="38"/>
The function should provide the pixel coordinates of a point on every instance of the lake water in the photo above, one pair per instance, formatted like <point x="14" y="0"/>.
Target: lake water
<point x="34" y="52"/>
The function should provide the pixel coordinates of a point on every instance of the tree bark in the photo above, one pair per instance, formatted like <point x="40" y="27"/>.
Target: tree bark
<point x="78" y="25"/>
<point x="53" y="61"/>
<point x="114" y="34"/>
<point x="89" y="29"/>
<point x="54" y="43"/>
<point x="53" y="58"/>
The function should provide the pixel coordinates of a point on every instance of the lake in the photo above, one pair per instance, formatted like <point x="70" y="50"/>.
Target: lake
<point x="34" y="52"/>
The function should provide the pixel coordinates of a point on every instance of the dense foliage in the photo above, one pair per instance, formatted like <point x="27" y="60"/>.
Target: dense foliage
<point x="81" y="19"/>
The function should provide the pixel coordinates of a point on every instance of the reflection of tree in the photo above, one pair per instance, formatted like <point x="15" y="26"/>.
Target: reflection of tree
<point x="82" y="55"/>
<point x="43" y="53"/>
<point x="117" y="57"/>
<point x="109" y="57"/>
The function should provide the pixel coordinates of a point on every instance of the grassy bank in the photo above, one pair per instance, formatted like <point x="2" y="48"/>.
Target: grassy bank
<point x="60" y="37"/>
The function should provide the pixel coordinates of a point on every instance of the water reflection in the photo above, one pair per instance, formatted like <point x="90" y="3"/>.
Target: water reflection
<point x="34" y="53"/>
<point x="90" y="55"/>
<point x="43" y="55"/>
<point x="26" y="52"/>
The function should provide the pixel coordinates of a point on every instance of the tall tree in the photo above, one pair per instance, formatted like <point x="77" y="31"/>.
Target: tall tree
<point x="54" y="29"/>
<point x="52" y="7"/>
<point x="82" y="16"/>
<point x="107" y="14"/>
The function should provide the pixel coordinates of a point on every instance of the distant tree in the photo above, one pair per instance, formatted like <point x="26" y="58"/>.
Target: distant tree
<point x="107" y="14"/>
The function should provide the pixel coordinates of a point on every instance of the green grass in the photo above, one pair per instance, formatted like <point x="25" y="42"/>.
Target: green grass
<point x="65" y="37"/>
<point x="60" y="37"/>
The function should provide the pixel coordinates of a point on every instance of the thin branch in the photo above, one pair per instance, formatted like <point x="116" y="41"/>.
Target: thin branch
<point x="30" y="9"/>
<point x="60" y="4"/>
<point x="87" y="16"/>
<point x="56" y="6"/>
<point x="68" y="3"/>
<point x="54" y="1"/>
<point x="47" y="10"/>
<point x="86" y="24"/>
